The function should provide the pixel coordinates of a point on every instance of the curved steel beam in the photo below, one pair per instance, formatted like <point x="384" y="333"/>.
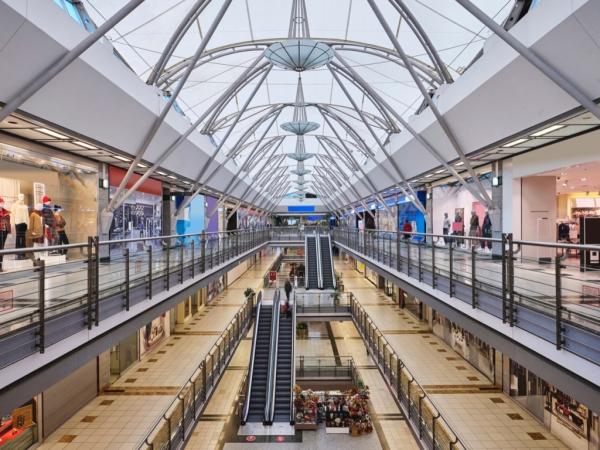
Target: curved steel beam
<point x="428" y="73"/>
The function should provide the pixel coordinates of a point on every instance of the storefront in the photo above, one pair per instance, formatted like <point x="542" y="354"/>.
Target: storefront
<point x="465" y="212"/>
<point x="566" y="418"/>
<point x="481" y="355"/>
<point x="407" y="211"/>
<point x="191" y="220"/>
<point x="141" y="214"/>
<point x="47" y="200"/>
<point x="19" y="429"/>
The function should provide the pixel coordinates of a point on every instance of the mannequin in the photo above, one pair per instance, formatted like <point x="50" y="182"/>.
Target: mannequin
<point x="21" y="219"/>
<point x="49" y="222"/>
<point x="36" y="226"/>
<point x="60" y="222"/>
<point x="4" y="227"/>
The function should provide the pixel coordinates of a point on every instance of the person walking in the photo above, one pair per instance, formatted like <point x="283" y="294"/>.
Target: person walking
<point x="288" y="290"/>
<point x="486" y="231"/>
<point x="446" y="227"/>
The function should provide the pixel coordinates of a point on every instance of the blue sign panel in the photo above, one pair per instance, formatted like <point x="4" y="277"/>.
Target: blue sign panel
<point x="301" y="208"/>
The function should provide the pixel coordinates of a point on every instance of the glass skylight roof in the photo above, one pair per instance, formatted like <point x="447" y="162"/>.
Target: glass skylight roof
<point x="251" y="28"/>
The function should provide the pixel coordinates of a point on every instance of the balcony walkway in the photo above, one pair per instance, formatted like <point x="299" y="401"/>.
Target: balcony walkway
<point x="122" y="415"/>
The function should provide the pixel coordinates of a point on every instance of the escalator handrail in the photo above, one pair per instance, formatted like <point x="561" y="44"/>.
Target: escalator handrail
<point x="251" y="369"/>
<point x="272" y="369"/>
<point x="306" y="277"/>
<point x="293" y="364"/>
<point x="318" y="258"/>
<point x="331" y="261"/>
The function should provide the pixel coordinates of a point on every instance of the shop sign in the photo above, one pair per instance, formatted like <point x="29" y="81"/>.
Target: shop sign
<point x="273" y="275"/>
<point x="22" y="417"/>
<point x="6" y="300"/>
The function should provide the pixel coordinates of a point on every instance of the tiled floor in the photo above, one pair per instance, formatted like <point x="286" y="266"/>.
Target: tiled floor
<point x="127" y="419"/>
<point x="480" y="421"/>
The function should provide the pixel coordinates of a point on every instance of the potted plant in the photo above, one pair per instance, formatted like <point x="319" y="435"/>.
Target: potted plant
<point x="302" y="330"/>
<point x="249" y="294"/>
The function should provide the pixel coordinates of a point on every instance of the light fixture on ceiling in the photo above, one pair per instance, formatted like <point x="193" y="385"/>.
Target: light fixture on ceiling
<point x="171" y="177"/>
<point x="161" y="173"/>
<point x="565" y="184"/>
<point x="547" y="130"/>
<point x="515" y="142"/>
<point x="460" y="163"/>
<point x="12" y="122"/>
<point x="437" y="172"/>
<point x="122" y="158"/>
<point x="584" y="179"/>
<point x="52" y="133"/>
<point x="143" y="166"/>
<point x="85" y="145"/>
<point x="429" y="175"/>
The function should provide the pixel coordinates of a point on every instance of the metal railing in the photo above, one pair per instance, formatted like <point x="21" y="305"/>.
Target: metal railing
<point x="177" y="422"/>
<point x="312" y="367"/>
<point x="51" y="298"/>
<point x="292" y="368"/>
<point x="530" y="285"/>
<point x="322" y="302"/>
<point x="433" y="430"/>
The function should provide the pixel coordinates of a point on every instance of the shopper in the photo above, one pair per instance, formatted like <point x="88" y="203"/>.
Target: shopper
<point x="486" y="231"/>
<point x="446" y="227"/>
<point x="474" y="228"/>
<point x="288" y="289"/>
<point x="407" y="228"/>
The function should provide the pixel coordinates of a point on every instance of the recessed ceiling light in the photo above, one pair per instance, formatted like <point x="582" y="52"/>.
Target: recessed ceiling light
<point x="54" y="134"/>
<point x="515" y="142"/>
<point x="564" y="184"/>
<point x="144" y="166"/>
<point x="85" y="145"/>
<point x="550" y="129"/>
<point x="428" y="175"/>
<point x="13" y="122"/>
<point x="161" y="173"/>
<point x="171" y="177"/>
<point x="439" y="171"/>
<point x="584" y="179"/>
<point x="460" y="163"/>
<point x="122" y="158"/>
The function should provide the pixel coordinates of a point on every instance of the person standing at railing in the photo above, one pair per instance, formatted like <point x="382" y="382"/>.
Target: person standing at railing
<point x="407" y="228"/>
<point x="4" y="227"/>
<point x="473" y="228"/>
<point x="486" y="231"/>
<point x="446" y="227"/>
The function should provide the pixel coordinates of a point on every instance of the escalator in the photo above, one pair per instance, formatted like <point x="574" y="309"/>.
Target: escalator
<point x="254" y="409"/>
<point x="312" y="262"/>
<point x="328" y="275"/>
<point x="284" y="378"/>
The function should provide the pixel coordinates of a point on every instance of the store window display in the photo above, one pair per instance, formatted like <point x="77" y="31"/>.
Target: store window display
<point x="4" y="227"/>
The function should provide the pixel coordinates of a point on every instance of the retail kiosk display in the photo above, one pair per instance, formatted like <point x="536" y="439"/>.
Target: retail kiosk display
<point x="589" y="230"/>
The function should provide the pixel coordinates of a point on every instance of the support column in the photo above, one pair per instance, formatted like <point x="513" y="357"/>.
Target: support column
<point x="429" y="218"/>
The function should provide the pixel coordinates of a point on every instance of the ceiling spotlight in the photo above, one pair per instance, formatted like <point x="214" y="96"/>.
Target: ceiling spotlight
<point x="584" y="179"/>
<point x="122" y="158"/>
<point x="85" y="145"/>
<point x="550" y="129"/>
<point x="54" y="134"/>
<point x="515" y="142"/>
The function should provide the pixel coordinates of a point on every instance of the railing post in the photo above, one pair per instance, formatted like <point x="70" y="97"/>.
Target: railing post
<point x="150" y="275"/>
<point x="558" y="312"/>
<point x="504" y="281"/>
<point x="168" y="275"/>
<point x="433" y="274"/>
<point x="420" y="417"/>
<point x="203" y="252"/>
<point x="193" y="250"/>
<point x="182" y="418"/>
<point x="451" y="269"/>
<point x="419" y="251"/>
<point x="408" y="256"/>
<point x="96" y="280"/>
<point x="408" y="398"/>
<point x="399" y="379"/>
<point x="473" y="286"/>
<point x="42" y="304"/>
<point x="511" y="281"/>
<point x="398" y="255"/>
<point x="181" y="253"/>
<point x="126" y="258"/>
<point x="90" y="279"/>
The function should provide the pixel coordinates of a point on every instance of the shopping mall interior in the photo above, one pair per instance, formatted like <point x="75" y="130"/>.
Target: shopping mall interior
<point x="300" y="224"/>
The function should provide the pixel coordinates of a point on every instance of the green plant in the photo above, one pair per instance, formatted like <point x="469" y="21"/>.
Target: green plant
<point x="248" y="292"/>
<point x="301" y="326"/>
